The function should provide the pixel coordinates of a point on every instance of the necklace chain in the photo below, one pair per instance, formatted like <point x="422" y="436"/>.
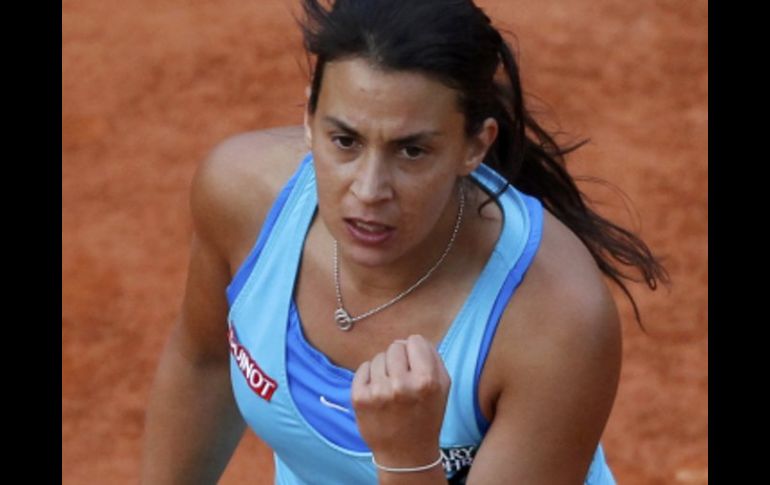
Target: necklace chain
<point x="342" y="317"/>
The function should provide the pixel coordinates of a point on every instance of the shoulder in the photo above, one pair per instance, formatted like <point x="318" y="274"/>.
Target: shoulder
<point x="562" y="286"/>
<point x="556" y="359"/>
<point x="561" y="321"/>
<point x="563" y="308"/>
<point x="235" y="184"/>
<point x="563" y="316"/>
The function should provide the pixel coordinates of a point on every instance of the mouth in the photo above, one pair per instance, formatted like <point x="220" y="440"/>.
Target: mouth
<point x="369" y="233"/>
<point x="369" y="226"/>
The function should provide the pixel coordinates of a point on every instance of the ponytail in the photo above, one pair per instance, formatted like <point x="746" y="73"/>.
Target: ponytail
<point x="456" y="43"/>
<point x="537" y="167"/>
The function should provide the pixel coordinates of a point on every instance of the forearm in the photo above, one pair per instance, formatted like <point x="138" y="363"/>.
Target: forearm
<point x="192" y="425"/>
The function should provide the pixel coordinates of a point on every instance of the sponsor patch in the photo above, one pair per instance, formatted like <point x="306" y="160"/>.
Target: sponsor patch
<point x="262" y="384"/>
<point x="457" y="463"/>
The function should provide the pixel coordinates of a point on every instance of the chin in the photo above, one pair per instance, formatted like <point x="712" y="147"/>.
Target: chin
<point x="364" y="256"/>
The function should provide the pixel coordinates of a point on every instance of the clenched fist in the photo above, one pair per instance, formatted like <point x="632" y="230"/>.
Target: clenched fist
<point x="399" y="398"/>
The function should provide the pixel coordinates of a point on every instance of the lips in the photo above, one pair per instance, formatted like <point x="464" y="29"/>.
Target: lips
<point x="369" y="226"/>
<point x="369" y="234"/>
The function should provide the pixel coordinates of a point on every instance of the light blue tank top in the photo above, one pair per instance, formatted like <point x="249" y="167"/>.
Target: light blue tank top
<point x="298" y="401"/>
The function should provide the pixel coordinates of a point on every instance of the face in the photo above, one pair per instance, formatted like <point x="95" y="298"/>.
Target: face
<point x="389" y="146"/>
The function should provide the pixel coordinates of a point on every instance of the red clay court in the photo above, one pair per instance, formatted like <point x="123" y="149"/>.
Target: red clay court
<point x="148" y="87"/>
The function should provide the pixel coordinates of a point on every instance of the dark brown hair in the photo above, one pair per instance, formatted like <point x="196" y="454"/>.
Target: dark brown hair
<point x="454" y="42"/>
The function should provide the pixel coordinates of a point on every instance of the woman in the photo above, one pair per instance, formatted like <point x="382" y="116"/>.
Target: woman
<point x="417" y="299"/>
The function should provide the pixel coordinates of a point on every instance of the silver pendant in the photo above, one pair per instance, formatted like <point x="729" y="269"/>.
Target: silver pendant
<point x="343" y="320"/>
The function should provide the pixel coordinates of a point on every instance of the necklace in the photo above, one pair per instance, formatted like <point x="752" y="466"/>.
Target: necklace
<point x="343" y="319"/>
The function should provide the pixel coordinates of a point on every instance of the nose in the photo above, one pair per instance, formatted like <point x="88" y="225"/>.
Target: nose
<point x="372" y="179"/>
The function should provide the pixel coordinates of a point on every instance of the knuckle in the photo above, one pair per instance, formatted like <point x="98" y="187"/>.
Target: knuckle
<point x="447" y="380"/>
<point x="425" y="384"/>
<point x="399" y="387"/>
<point x="360" y="399"/>
<point x="381" y="395"/>
<point x="397" y="343"/>
<point x="415" y="337"/>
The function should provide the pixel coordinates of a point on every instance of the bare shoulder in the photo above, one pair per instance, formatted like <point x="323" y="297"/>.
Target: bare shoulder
<point x="556" y="359"/>
<point x="562" y="309"/>
<point x="562" y="319"/>
<point x="237" y="182"/>
<point x="561" y="329"/>
<point x="564" y="294"/>
<point x="566" y="315"/>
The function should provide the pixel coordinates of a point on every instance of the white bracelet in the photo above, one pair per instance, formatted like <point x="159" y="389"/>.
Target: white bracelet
<point x="407" y="470"/>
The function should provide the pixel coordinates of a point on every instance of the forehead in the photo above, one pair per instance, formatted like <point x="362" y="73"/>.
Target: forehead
<point x="394" y="101"/>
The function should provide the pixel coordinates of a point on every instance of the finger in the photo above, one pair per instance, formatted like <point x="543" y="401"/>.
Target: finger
<point x="419" y="352"/>
<point x="378" y="372"/>
<point x="396" y="360"/>
<point x="359" y="390"/>
<point x="362" y="376"/>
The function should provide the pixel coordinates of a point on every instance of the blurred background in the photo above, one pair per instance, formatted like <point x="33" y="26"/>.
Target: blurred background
<point x="149" y="87"/>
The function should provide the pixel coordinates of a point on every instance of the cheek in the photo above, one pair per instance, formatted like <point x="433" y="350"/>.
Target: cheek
<point x="331" y="186"/>
<point x="421" y="210"/>
<point x="330" y="170"/>
<point x="328" y="190"/>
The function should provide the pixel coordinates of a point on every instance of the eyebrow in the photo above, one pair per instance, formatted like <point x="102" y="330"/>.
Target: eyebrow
<point x="404" y="140"/>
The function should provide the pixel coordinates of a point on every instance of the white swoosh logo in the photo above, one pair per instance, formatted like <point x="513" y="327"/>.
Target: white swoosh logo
<point x="333" y="406"/>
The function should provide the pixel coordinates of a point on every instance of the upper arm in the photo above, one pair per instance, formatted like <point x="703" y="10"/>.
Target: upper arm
<point x="558" y="392"/>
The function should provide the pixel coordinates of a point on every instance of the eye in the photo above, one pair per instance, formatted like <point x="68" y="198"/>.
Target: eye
<point x="344" y="142"/>
<point x="413" y="152"/>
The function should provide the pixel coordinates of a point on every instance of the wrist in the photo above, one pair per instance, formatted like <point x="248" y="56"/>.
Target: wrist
<point x="410" y="464"/>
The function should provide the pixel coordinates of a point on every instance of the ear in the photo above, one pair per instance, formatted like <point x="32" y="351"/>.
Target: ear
<point x="307" y="120"/>
<point x="479" y="145"/>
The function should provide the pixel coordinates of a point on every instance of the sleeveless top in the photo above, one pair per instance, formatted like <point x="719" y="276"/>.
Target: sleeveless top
<point x="298" y="402"/>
